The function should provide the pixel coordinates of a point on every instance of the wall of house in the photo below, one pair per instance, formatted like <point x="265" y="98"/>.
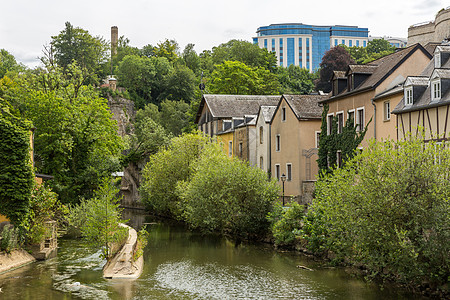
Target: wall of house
<point x="290" y="150"/>
<point x="241" y="137"/>
<point x="224" y="139"/>
<point x="308" y="169"/>
<point x="354" y="102"/>
<point x="262" y="149"/>
<point x="387" y="129"/>
<point x="251" y="133"/>
<point x="435" y="122"/>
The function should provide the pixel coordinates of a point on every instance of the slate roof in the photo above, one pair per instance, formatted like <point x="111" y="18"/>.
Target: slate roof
<point x="338" y="74"/>
<point x="418" y="80"/>
<point x="431" y="46"/>
<point x="267" y="112"/>
<point x="382" y="68"/>
<point x="305" y="106"/>
<point x="228" y="106"/>
<point x="361" y="69"/>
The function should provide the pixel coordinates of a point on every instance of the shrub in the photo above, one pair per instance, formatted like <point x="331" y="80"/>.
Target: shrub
<point x="388" y="210"/>
<point x="286" y="222"/>
<point x="226" y="194"/>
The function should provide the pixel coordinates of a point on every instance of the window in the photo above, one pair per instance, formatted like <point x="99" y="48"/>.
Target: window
<point x="350" y="43"/>
<point x="261" y="163"/>
<point x="278" y="143"/>
<point x="408" y="96"/>
<point x="351" y="115"/>
<point x="387" y="110"/>
<point x="436" y="90"/>
<point x="340" y="121"/>
<point x="240" y="149"/>
<point x="329" y="123"/>
<point x="230" y="148"/>
<point x="437" y="60"/>
<point x="261" y="133"/>
<point x="288" y="172"/>
<point x="357" y="43"/>
<point x="283" y="114"/>
<point x="364" y="43"/>
<point x="265" y="43"/>
<point x="335" y="42"/>
<point x="360" y="119"/>
<point x="277" y="172"/>
<point x="317" y="139"/>
<point x="343" y="42"/>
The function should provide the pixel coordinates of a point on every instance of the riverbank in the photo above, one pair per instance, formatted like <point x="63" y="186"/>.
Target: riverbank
<point x="15" y="259"/>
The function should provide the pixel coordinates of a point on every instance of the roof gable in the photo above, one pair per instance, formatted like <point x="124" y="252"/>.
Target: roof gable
<point x="304" y="107"/>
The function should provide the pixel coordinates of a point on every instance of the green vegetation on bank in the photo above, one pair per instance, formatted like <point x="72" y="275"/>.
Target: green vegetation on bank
<point x="386" y="210"/>
<point x="194" y="181"/>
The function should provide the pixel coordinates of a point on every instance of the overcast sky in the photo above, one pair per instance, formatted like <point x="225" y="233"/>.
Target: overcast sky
<point x="27" y="25"/>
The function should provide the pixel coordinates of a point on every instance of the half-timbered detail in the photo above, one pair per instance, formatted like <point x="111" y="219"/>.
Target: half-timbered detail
<point x="426" y="100"/>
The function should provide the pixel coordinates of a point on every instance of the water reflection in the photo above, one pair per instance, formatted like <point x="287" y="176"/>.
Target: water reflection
<point x="180" y="264"/>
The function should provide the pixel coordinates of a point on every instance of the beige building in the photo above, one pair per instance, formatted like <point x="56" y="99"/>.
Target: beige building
<point x="263" y="140"/>
<point x="294" y="130"/>
<point x="245" y="140"/>
<point x="369" y="92"/>
<point x="426" y="101"/>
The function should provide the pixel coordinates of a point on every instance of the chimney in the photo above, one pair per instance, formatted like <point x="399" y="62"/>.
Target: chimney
<point x="114" y="40"/>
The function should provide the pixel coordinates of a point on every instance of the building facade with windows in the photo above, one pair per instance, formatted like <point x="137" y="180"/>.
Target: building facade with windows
<point x="368" y="93"/>
<point x="263" y="140"/>
<point x="425" y="100"/>
<point x="294" y="130"/>
<point x="304" y="45"/>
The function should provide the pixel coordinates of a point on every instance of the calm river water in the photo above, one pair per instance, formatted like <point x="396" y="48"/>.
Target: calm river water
<point x="180" y="264"/>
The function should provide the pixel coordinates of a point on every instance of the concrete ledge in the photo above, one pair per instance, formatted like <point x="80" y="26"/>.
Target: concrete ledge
<point x="14" y="260"/>
<point x="122" y="266"/>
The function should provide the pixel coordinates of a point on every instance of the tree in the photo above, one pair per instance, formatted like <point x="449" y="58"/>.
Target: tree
<point x="191" y="59"/>
<point x="7" y="63"/>
<point x="236" y="78"/>
<point x="16" y="177"/>
<point x="179" y="84"/>
<point x="387" y="209"/>
<point x="335" y="59"/>
<point x="245" y="52"/>
<point x="76" y="44"/>
<point x="375" y="49"/>
<point x="167" y="49"/>
<point x="295" y="80"/>
<point x="227" y="195"/>
<point x="174" y="116"/>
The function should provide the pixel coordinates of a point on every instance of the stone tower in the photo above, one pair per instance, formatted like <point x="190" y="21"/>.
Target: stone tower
<point x="114" y="40"/>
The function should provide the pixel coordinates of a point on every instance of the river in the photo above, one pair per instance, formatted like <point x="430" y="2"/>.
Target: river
<point x="180" y="264"/>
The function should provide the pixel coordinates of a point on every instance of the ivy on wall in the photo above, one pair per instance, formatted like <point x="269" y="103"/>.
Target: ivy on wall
<point x="16" y="171"/>
<point x="329" y="144"/>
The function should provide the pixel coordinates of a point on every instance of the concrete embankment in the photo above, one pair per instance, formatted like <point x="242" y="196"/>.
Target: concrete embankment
<point x="15" y="259"/>
<point x="122" y="265"/>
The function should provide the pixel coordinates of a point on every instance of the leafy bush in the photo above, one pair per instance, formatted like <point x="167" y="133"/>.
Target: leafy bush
<point x="286" y="222"/>
<point x="10" y="238"/>
<point x="98" y="218"/>
<point x="227" y="194"/>
<point x="165" y="168"/>
<point x="388" y="210"/>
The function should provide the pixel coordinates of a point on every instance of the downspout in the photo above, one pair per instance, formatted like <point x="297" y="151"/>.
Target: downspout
<point x="374" y="120"/>
<point x="269" y="153"/>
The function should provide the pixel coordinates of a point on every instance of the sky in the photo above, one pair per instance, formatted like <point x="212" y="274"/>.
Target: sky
<point x="26" y="26"/>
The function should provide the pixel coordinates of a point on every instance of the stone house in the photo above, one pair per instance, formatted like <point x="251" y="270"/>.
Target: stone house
<point x="295" y="127"/>
<point x="263" y="140"/>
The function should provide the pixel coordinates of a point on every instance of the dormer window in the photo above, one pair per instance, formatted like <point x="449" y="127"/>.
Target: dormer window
<point x="408" y="96"/>
<point x="437" y="60"/>
<point x="436" y="90"/>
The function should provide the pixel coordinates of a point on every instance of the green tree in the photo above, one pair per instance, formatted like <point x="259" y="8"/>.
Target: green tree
<point x="227" y="195"/>
<point x="179" y="84"/>
<point x="174" y="116"/>
<point x="295" y="80"/>
<point x="16" y="176"/>
<point x="236" y="78"/>
<point x="387" y="209"/>
<point x="76" y="44"/>
<point x="165" y="169"/>
<point x="191" y="59"/>
<point x="168" y="49"/>
<point x="7" y="63"/>
<point x="375" y="49"/>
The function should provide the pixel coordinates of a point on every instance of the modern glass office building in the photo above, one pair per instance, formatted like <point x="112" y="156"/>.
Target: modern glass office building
<point x="304" y="45"/>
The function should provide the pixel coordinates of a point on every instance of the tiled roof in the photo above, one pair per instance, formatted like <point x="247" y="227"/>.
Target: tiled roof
<point x="362" y="69"/>
<point x="338" y="74"/>
<point x="227" y="106"/>
<point x="431" y="46"/>
<point x="305" y="106"/>
<point x="418" y="80"/>
<point x="382" y="68"/>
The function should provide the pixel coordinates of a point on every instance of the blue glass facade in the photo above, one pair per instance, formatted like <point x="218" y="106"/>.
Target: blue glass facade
<point x="290" y="52"/>
<point x="317" y="43"/>
<point x="265" y="43"/>
<point x="300" y="53"/>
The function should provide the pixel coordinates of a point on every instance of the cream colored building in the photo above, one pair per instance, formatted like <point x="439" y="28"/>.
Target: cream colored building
<point x="370" y="92"/>
<point x="263" y="140"/>
<point x="426" y="101"/>
<point x="294" y="130"/>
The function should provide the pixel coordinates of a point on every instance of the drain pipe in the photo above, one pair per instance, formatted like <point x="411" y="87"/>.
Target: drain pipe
<point x="374" y="120"/>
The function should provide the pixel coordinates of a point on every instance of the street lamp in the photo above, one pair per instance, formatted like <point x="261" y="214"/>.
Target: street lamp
<point x="283" y="179"/>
